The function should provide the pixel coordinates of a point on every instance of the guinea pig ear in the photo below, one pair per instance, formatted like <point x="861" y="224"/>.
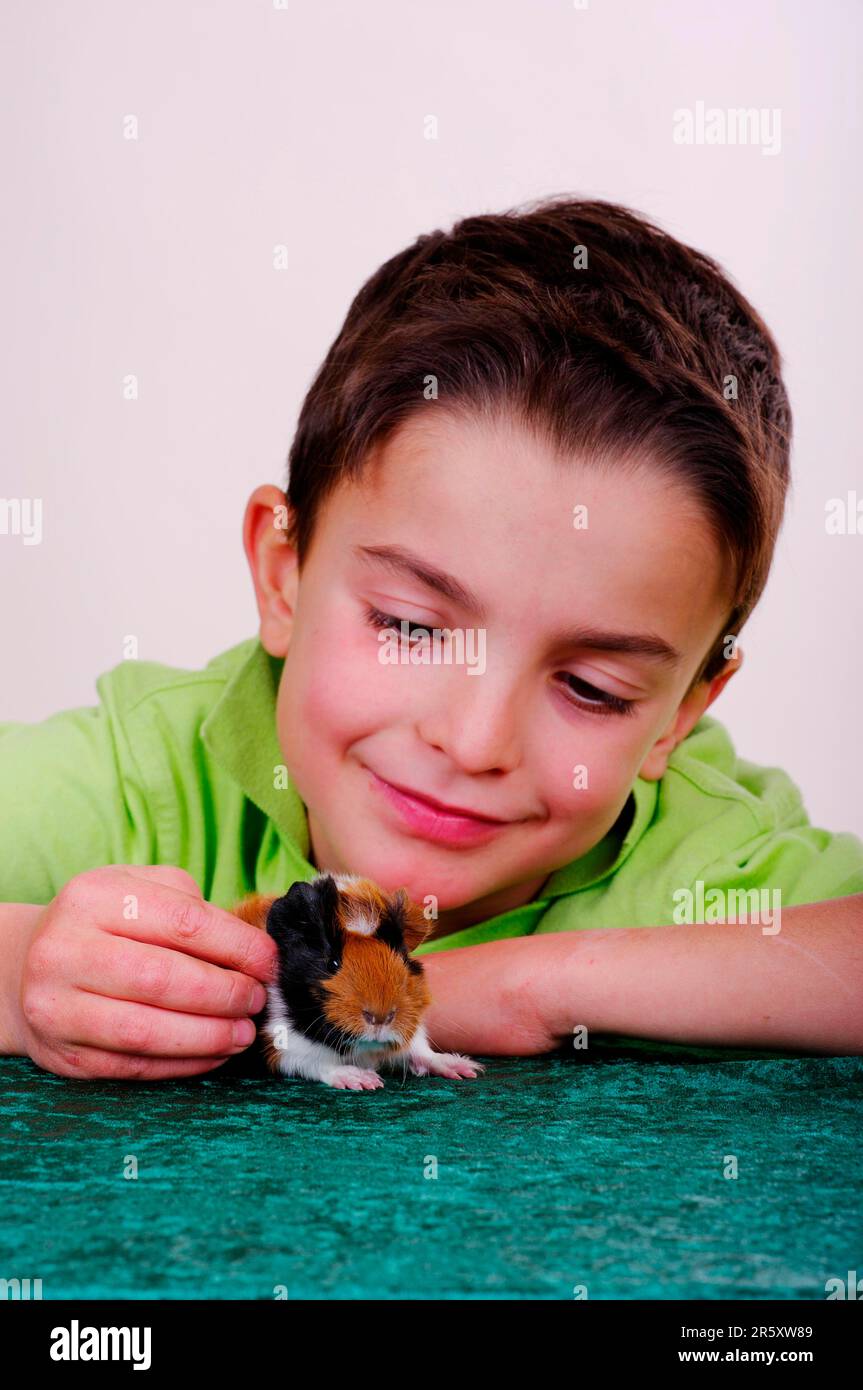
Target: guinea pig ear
<point x="308" y="910"/>
<point x="403" y="922"/>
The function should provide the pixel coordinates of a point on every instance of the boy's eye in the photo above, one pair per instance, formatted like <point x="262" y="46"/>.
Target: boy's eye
<point x="587" y="696"/>
<point x="386" y="620"/>
<point x="598" y="701"/>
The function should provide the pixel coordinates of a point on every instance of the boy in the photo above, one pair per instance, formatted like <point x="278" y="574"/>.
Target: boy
<point x="533" y="497"/>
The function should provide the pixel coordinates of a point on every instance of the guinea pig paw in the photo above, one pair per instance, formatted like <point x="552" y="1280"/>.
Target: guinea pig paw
<point x="354" y="1079"/>
<point x="449" y="1064"/>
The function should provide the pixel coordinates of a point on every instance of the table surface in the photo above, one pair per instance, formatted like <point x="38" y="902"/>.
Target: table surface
<point x="603" y="1169"/>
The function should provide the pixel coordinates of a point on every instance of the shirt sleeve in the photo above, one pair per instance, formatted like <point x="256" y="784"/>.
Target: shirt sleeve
<point x="782" y="853"/>
<point x="804" y="863"/>
<point x="70" y="800"/>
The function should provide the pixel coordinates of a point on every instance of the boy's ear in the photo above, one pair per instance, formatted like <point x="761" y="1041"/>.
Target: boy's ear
<point x="688" y="714"/>
<point x="273" y="564"/>
<point x="732" y="664"/>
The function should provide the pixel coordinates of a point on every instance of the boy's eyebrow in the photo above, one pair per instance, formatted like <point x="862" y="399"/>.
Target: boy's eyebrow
<point x="402" y="561"/>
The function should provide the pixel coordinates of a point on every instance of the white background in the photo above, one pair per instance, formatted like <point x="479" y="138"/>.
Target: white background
<point x="305" y="126"/>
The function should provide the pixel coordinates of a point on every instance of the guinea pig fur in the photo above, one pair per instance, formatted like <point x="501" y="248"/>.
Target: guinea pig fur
<point x="346" y="997"/>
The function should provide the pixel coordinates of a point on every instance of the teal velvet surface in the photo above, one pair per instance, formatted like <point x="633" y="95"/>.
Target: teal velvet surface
<point x="601" y="1169"/>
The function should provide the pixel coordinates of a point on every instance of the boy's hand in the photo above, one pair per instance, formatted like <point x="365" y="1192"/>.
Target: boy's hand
<point x="130" y="974"/>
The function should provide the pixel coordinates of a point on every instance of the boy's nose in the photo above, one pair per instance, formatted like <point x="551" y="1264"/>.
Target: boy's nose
<point x="479" y="728"/>
<point x="371" y="1016"/>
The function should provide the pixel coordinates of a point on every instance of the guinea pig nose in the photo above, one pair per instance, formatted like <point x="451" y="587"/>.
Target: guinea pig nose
<point x="376" y="1018"/>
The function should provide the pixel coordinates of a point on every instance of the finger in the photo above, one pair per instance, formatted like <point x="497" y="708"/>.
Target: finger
<point x="144" y="974"/>
<point x="168" y="874"/>
<point x="134" y="905"/>
<point x="116" y="1025"/>
<point x="92" y="1063"/>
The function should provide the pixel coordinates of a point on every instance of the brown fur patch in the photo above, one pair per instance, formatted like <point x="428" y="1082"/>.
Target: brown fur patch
<point x="366" y="899"/>
<point x="373" y="977"/>
<point x="416" y="927"/>
<point x="254" y="909"/>
<point x="269" y="1051"/>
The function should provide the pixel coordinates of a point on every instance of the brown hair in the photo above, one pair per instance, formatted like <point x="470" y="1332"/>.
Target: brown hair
<point x="621" y="350"/>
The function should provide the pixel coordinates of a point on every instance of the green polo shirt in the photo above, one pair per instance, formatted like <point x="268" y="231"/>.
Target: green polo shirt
<point x="184" y="767"/>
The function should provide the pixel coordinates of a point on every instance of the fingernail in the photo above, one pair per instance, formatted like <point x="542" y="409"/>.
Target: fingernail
<point x="259" y="999"/>
<point x="244" y="1031"/>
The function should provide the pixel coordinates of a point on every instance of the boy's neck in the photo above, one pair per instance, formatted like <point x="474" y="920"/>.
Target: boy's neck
<point x="483" y="909"/>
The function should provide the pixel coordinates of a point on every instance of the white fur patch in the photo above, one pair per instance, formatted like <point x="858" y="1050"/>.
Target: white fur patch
<point x="361" y="925"/>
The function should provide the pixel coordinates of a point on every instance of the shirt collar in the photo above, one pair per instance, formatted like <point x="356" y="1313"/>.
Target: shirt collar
<point x="607" y="856"/>
<point x="240" y="732"/>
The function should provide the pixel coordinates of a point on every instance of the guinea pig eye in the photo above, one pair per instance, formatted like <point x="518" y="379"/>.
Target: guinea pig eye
<point x="334" y="964"/>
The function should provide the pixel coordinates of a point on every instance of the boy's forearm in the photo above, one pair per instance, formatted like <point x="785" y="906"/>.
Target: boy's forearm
<point x="483" y="1002"/>
<point x="17" y="925"/>
<point x="727" y="984"/>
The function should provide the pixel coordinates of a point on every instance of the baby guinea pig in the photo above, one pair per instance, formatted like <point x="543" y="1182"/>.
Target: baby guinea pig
<point x="347" y="997"/>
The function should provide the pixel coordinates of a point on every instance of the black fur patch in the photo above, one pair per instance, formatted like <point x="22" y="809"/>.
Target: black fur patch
<point x="304" y="925"/>
<point x="391" y="928"/>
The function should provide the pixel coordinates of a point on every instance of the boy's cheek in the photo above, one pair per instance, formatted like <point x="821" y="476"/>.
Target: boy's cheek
<point x="575" y="780"/>
<point x="334" y="703"/>
<point x="588" y="791"/>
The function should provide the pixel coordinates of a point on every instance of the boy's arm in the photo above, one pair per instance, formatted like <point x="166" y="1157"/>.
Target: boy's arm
<point x="18" y="923"/>
<point x="728" y="984"/>
<point x="483" y="1000"/>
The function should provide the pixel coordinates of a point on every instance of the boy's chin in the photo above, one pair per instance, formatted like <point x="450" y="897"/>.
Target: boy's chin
<point x="430" y="873"/>
<point x="460" y="894"/>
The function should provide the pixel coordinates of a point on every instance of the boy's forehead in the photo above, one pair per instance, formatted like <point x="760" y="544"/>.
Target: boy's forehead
<point x="496" y="507"/>
<point x="462" y="465"/>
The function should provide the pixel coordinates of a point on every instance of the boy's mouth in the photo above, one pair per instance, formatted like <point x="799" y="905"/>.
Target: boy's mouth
<point x="432" y="820"/>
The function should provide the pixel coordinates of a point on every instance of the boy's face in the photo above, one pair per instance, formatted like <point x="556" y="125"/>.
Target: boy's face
<point x="493" y="510"/>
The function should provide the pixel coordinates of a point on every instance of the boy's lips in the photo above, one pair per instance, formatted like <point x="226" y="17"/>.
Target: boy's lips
<point x="433" y="820"/>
